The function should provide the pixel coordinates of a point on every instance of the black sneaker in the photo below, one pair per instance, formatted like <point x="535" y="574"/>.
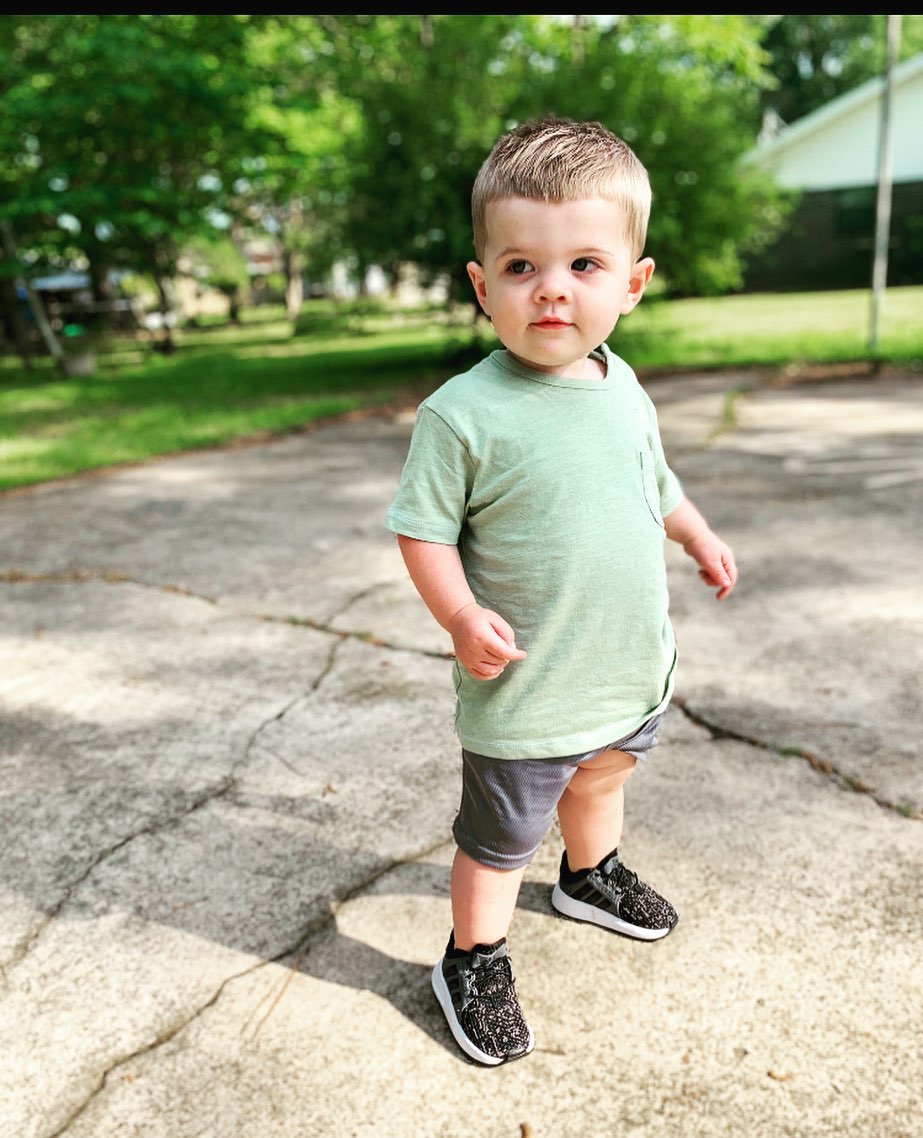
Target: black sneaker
<point x="477" y="993"/>
<point x="615" y="898"/>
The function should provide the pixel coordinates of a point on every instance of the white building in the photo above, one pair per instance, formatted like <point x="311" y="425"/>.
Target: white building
<point x="831" y="158"/>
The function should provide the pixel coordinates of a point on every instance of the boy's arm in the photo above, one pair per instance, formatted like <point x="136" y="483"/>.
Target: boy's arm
<point x="484" y="642"/>
<point x="717" y="567"/>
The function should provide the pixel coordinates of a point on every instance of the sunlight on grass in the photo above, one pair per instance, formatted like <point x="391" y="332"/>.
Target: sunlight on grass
<point x="258" y="378"/>
<point x="204" y="396"/>
<point x="771" y="329"/>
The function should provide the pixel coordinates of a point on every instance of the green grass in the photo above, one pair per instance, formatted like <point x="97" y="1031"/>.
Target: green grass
<point x="218" y="387"/>
<point x="776" y="330"/>
<point x="230" y="383"/>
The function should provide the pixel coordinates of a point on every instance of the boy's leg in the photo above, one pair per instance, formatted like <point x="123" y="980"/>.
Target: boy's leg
<point x="483" y="900"/>
<point x="506" y="809"/>
<point x="591" y="809"/>
<point x="474" y="981"/>
<point x="594" y="885"/>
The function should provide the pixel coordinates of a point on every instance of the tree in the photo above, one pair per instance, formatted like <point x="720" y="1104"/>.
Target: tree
<point x="814" y="59"/>
<point x="356" y="139"/>
<point x="216" y="260"/>
<point x="130" y="128"/>
<point x="682" y="90"/>
<point x="432" y="94"/>
<point x="294" y="187"/>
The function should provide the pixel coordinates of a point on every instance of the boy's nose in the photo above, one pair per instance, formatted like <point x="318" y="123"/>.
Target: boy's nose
<point x="552" y="286"/>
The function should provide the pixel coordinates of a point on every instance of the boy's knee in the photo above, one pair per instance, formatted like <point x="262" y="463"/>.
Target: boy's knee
<point x="607" y="771"/>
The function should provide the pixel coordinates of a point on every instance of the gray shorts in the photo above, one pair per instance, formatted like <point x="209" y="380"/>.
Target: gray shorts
<point x="508" y="805"/>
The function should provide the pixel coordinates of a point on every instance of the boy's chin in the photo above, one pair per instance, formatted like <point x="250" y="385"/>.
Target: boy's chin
<point x="578" y="367"/>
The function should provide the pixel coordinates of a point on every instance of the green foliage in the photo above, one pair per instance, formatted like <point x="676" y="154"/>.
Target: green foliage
<point x="814" y="59"/>
<point x="433" y="93"/>
<point x="294" y="185"/>
<point x="682" y="90"/>
<point x="354" y="139"/>
<point x="328" y="318"/>
<point x="257" y="379"/>
<point x="123" y="130"/>
<point x="214" y="259"/>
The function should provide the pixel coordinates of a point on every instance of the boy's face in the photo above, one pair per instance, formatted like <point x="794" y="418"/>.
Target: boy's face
<point x="555" y="279"/>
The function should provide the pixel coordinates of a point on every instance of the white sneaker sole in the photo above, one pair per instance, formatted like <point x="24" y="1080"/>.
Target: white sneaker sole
<point x="448" y="1008"/>
<point x="581" y="911"/>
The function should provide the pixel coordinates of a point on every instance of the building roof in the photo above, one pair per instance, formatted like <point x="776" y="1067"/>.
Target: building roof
<point x="837" y="146"/>
<point x="65" y="281"/>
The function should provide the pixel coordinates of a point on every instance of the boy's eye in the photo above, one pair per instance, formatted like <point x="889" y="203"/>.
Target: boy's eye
<point x="517" y="268"/>
<point x="583" y="264"/>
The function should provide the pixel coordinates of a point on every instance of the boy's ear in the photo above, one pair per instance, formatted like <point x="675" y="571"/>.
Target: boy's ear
<point x="476" y="273"/>
<point x="641" y="273"/>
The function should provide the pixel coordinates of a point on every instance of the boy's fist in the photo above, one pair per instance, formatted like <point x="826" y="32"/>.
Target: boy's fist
<point x="484" y="642"/>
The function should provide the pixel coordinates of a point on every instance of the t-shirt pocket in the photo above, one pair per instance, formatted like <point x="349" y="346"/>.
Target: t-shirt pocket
<point x="651" y="488"/>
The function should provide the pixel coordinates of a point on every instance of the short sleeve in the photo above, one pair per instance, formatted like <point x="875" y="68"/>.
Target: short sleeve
<point x="670" y="487"/>
<point x="435" y="484"/>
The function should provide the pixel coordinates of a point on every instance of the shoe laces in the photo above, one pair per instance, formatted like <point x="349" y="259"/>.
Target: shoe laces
<point x="619" y="876"/>
<point x="638" y="902"/>
<point x="491" y="981"/>
<point x="492" y="1013"/>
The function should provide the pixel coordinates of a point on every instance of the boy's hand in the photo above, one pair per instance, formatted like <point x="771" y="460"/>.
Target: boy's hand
<point x="484" y="642"/>
<point x="717" y="567"/>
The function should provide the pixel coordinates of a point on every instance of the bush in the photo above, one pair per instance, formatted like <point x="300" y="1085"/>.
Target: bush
<point x="338" y="317"/>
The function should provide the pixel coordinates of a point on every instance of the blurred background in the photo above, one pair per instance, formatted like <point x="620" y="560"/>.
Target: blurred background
<point x="262" y="220"/>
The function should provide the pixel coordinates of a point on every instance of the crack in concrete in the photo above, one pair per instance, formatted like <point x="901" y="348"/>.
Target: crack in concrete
<point x="328" y="666"/>
<point x="295" y="953"/>
<point x="154" y="826"/>
<point x="822" y="766"/>
<point x="347" y="634"/>
<point x="159" y="1041"/>
<point x="253" y="741"/>
<point x="81" y="576"/>
<point x="717" y="731"/>
<point x="360" y="596"/>
<point x="222" y="789"/>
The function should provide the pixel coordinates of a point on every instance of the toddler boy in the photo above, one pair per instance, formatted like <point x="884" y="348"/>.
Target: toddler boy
<point x="531" y="514"/>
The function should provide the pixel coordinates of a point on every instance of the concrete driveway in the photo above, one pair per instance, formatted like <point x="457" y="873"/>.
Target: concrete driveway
<point x="228" y="776"/>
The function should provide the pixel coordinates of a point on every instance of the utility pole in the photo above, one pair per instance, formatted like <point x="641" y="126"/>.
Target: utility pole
<point x="883" y="203"/>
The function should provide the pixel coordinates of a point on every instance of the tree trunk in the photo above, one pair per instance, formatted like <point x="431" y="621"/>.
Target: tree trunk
<point x="99" y="281"/>
<point x="233" y="296"/>
<point x="14" y="320"/>
<point x="167" y="345"/>
<point x="51" y="341"/>
<point x="294" y="285"/>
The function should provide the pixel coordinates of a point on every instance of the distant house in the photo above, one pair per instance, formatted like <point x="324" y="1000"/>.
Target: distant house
<point x="68" y="300"/>
<point x="831" y="157"/>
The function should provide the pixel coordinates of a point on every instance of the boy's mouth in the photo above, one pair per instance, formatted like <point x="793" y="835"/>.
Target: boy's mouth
<point x="551" y="322"/>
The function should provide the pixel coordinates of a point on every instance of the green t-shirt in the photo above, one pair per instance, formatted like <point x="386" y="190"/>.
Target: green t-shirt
<point x="554" y="490"/>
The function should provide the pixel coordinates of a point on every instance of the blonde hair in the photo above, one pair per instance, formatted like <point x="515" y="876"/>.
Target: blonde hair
<point x="556" y="159"/>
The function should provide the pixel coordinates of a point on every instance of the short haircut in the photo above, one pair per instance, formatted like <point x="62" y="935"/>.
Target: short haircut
<point x="555" y="159"/>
